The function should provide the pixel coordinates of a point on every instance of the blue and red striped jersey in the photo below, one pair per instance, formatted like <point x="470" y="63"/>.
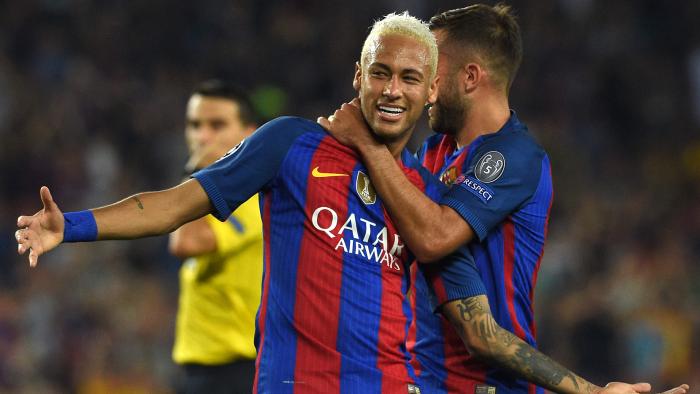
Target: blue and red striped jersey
<point x="501" y="185"/>
<point x="334" y="315"/>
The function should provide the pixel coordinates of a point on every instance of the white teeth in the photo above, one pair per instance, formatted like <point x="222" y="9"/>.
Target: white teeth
<point x="391" y="110"/>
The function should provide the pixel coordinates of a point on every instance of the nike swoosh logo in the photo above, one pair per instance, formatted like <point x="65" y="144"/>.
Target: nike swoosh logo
<point x="318" y="174"/>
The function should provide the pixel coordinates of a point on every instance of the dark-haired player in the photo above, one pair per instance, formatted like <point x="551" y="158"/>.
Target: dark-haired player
<point x="498" y="203"/>
<point x="222" y="269"/>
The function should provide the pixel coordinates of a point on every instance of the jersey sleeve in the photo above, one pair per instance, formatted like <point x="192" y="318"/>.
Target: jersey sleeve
<point x="249" y="166"/>
<point x="453" y="278"/>
<point x="501" y="176"/>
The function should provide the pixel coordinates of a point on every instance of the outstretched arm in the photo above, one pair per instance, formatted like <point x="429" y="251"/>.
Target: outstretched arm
<point x="140" y="215"/>
<point x="431" y="230"/>
<point x="484" y="338"/>
<point x="152" y="213"/>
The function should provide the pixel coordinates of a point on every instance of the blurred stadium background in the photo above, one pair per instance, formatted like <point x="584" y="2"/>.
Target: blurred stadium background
<point x="92" y="97"/>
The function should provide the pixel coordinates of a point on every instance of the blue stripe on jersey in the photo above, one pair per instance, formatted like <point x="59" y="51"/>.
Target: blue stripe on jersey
<point x="358" y="324"/>
<point x="429" y="338"/>
<point x="278" y="356"/>
<point x="530" y="250"/>
<point x="489" y="259"/>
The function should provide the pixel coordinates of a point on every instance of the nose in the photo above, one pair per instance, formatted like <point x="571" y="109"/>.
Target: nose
<point x="203" y="135"/>
<point x="392" y="88"/>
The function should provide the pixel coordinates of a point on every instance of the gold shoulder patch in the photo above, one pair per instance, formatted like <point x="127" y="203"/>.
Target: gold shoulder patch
<point x="364" y="189"/>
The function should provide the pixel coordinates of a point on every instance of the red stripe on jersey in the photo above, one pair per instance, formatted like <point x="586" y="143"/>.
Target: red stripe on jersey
<point x="460" y="160"/>
<point x="412" y="329"/>
<point x="435" y="158"/>
<point x="266" y="284"/>
<point x="508" y="267"/>
<point x="391" y="361"/>
<point x="430" y="158"/>
<point x="531" y="388"/>
<point x="463" y="371"/>
<point x="318" y="286"/>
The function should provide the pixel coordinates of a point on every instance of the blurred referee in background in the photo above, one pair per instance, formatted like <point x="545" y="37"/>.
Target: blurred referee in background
<point x="220" y="279"/>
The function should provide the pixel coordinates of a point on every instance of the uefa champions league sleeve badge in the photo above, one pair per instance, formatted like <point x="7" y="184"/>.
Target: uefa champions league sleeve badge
<point x="490" y="167"/>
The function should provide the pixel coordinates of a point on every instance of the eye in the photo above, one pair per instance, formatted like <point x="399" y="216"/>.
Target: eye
<point x="218" y="125"/>
<point x="412" y="79"/>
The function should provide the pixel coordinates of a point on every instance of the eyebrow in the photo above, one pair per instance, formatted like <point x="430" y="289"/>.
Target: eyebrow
<point x="403" y="71"/>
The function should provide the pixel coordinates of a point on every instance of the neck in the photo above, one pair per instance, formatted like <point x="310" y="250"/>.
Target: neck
<point x="397" y="146"/>
<point x="487" y="116"/>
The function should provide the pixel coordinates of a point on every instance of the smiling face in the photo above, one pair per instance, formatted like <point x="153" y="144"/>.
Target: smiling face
<point x="394" y="84"/>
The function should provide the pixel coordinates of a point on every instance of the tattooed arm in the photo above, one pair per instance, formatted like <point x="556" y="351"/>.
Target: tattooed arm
<point x="152" y="213"/>
<point x="485" y="339"/>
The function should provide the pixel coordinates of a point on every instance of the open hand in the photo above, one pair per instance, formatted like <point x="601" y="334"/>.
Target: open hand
<point x="41" y="232"/>
<point x="626" y="388"/>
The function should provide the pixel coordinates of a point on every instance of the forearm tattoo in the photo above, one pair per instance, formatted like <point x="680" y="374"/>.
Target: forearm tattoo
<point x="138" y="202"/>
<point x="512" y="353"/>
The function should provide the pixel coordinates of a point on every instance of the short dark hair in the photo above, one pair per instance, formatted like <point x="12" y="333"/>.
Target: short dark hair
<point x="492" y="32"/>
<point x="228" y="90"/>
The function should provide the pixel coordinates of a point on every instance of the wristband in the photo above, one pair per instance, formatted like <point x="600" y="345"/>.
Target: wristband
<point x="79" y="227"/>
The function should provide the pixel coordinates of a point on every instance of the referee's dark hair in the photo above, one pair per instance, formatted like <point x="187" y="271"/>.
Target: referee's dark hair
<point x="489" y="33"/>
<point x="228" y="90"/>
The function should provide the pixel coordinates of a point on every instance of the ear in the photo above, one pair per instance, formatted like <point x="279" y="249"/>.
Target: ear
<point x="472" y="76"/>
<point x="357" y="80"/>
<point x="433" y="91"/>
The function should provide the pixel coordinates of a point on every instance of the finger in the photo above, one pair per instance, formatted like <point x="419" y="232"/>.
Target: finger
<point x="22" y="242"/>
<point x="323" y="122"/>
<point x="33" y="258"/>
<point x="23" y="247"/>
<point x="32" y="240"/>
<point x="355" y="102"/>
<point x="46" y="198"/>
<point x="24" y="221"/>
<point x="641" y="387"/>
<point x="682" y="389"/>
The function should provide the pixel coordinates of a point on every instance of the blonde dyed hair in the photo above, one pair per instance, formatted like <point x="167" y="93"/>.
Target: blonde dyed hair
<point x="405" y="25"/>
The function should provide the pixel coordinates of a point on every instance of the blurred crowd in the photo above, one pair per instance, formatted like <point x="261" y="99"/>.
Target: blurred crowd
<point x="92" y="98"/>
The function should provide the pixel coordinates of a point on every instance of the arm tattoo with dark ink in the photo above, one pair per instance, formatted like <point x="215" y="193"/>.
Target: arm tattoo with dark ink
<point x="467" y="307"/>
<point x="138" y="202"/>
<point x="488" y="340"/>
